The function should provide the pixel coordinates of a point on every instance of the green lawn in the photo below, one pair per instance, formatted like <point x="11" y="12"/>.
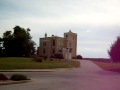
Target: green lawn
<point x="29" y="63"/>
<point x="108" y="65"/>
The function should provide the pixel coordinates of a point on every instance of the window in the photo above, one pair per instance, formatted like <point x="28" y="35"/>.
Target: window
<point x="59" y="50"/>
<point x="53" y="42"/>
<point x="70" y="50"/>
<point x="69" y="44"/>
<point x="53" y="51"/>
<point x="44" y="51"/>
<point x="44" y="43"/>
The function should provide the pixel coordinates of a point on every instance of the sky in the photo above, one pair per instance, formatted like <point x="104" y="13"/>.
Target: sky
<point x="96" y="22"/>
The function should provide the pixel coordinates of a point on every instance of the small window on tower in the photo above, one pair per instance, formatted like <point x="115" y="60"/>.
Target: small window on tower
<point x="70" y="50"/>
<point x="66" y="36"/>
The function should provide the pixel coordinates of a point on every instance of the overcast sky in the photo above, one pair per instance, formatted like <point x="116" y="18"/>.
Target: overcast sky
<point x="96" y="22"/>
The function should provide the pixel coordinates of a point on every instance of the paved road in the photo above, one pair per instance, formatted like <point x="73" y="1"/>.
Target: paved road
<point x="88" y="77"/>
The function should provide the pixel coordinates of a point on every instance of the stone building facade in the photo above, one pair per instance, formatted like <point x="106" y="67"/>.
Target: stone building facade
<point x="49" y="46"/>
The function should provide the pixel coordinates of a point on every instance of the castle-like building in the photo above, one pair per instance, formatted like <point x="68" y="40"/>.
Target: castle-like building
<point x="49" y="46"/>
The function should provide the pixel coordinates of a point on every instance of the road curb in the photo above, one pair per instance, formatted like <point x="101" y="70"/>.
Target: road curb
<point x="14" y="82"/>
<point x="36" y="70"/>
<point x="23" y="71"/>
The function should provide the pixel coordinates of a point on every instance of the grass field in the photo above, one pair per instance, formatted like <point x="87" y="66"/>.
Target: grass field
<point x="29" y="63"/>
<point x="108" y="65"/>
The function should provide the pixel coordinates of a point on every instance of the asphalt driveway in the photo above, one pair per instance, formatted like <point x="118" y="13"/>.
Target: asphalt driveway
<point x="88" y="77"/>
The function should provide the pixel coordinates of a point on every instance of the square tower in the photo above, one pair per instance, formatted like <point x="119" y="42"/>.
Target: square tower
<point x="71" y="42"/>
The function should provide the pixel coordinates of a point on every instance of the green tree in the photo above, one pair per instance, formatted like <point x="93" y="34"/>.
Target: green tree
<point x="1" y="47"/>
<point x="79" y="57"/>
<point x="19" y="43"/>
<point x="8" y="43"/>
<point x="114" y="51"/>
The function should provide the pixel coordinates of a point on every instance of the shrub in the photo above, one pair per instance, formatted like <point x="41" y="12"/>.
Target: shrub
<point x="114" y="51"/>
<point x="3" y="77"/>
<point x="18" y="77"/>
<point x="58" y="56"/>
<point x="45" y="57"/>
<point x="79" y="57"/>
<point x="51" y="59"/>
<point x="39" y="60"/>
<point x="74" y="57"/>
<point x="35" y="57"/>
<point x="52" y="56"/>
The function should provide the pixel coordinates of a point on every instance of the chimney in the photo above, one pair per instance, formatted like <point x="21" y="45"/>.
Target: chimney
<point x="45" y="35"/>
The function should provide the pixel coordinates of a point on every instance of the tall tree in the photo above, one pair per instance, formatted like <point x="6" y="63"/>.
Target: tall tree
<point x="19" y="43"/>
<point x="114" y="51"/>
<point x="1" y="47"/>
<point x="8" y="43"/>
